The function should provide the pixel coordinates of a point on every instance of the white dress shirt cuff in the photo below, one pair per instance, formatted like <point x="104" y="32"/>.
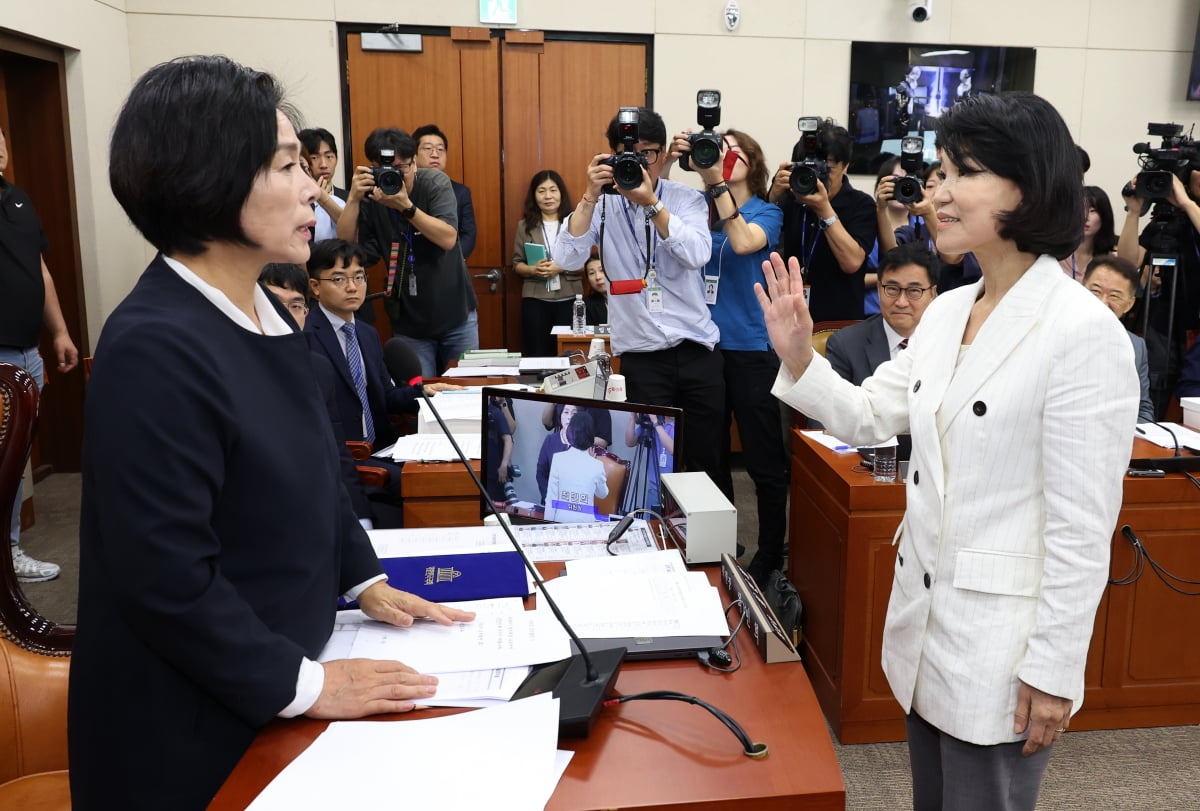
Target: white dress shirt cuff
<point x="309" y="684"/>
<point x="366" y="523"/>
<point x="353" y="594"/>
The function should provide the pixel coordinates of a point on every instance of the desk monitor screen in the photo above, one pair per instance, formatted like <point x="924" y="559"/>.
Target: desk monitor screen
<point x="572" y="459"/>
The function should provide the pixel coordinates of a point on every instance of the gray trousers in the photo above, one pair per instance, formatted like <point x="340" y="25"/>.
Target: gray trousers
<point x="949" y="774"/>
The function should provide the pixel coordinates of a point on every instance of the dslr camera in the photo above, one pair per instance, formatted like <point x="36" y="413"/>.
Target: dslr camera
<point x="908" y="189"/>
<point x="1175" y="157"/>
<point x="388" y="178"/>
<point x="706" y="144"/>
<point x="812" y="165"/>
<point x="627" y="166"/>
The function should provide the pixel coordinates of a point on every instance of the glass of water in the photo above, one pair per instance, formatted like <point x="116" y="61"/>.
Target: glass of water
<point x="885" y="463"/>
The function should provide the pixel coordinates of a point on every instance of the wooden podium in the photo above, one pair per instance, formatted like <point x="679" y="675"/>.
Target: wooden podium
<point x="1143" y="668"/>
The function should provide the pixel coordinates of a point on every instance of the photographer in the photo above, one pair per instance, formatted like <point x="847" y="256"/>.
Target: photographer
<point x="415" y="231"/>
<point x="1173" y="231"/>
<point x="654" y="237"/>
<point x="829" y="231"/>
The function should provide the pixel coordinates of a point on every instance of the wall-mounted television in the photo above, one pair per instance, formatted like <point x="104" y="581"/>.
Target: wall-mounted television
<point x="574" y="459"/>
<point x="899" y="89"/>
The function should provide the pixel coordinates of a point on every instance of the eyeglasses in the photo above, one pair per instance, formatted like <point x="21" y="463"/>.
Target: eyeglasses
<point x="651" y="155"/>
<point x="913" y="293"/>
<point x="298" y="308"/>
<point x="339" y="279"/>
<point x="1115" y="296"/>
<point x="430" y="149"/>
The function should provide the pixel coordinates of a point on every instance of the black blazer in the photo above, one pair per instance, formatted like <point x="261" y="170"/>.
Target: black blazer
<point x="384" y="396"/>
<point x="855" y="351"/>
<point x="467" y="231"/>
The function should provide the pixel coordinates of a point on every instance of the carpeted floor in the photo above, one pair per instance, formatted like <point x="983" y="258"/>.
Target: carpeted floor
<point x="1116" y="770"/>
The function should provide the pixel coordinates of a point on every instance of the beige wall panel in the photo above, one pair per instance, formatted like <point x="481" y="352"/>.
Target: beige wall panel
<point x="1019" y="22"/>
<point x="1164" y="25"/>
<point x="877" y="21"/>
<point x="274" y="9"/>
<point x="760" y="18"/>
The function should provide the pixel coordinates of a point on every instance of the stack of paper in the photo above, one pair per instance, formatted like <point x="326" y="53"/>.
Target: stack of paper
<point x="435" y="447"/>
<point x="507" y="754"/>
<point x="1166" y="437"/>
<point x="461" y="411"/>
<point x="637" y="595"/>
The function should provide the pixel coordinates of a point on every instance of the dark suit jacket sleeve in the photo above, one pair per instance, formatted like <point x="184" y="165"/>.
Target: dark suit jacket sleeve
<point x="326" y="379"/>
<point x="837" y="355"/>
<point x="467" y="232"/>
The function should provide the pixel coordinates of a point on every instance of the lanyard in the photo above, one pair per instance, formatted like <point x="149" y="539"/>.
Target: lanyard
<point x="546" y="237"/>
<point x="806" y="261"/>
<point x="651" y="238"/>
<point x="406" y="233"/>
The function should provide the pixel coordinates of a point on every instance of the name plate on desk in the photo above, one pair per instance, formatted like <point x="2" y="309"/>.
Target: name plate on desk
<point x="773" y="643"/>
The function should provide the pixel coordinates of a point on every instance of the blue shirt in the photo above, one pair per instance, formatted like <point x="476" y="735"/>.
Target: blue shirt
<point x="737" y="311"/>
<point x="677" y="261"/>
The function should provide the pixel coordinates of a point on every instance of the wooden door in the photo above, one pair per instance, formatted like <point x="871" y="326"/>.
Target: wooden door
<point x="509" y="107"/>
<point x="559" y="96"/>
<point x="453" y="82"/>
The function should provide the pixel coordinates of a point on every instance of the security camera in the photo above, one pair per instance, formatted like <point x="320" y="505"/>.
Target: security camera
<point x="920" y="10"/>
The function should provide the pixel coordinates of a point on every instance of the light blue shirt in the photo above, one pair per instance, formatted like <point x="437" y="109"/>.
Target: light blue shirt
<point x="678" y="260"/>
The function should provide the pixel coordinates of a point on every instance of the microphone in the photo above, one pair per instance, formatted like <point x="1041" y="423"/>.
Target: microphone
<point x="584" y="680"/>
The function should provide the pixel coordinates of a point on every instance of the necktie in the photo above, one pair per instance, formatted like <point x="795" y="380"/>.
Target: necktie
<point x="900" y="347"/>
<point x="354" y="359"/>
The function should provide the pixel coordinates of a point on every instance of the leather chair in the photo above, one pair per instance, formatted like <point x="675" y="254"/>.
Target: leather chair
<point x="823" y="329"/>
<point x="616" y="472"/>
<point x="34" y="652"/>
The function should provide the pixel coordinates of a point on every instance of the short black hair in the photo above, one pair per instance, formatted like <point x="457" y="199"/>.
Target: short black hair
<point x="327" y="253"/>
<point x="910" y="253"/>
<point x="1021" y="137"/>
<point x="651" y="129"/>
<point x="430" y="129"/>
<point x="195" y="111"/>
<point x="285" y="275"/>
<point x="312" y="137"/>
<point x="389" y="138"/>
<point x="835" y="140"/>
<point x="581" y="433"/>
<point x="1117" y="264"/>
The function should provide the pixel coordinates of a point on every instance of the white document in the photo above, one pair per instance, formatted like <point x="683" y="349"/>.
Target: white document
<point x="481" y="371"/>
<point x="668" y="562"/>
<point x="477" y="688"/>
<point x="403" y="543"/>
<point x="490" y="641"/>
<point x="456" y="405"/>
<point x="540" y="364"/>
<point x="1154" y="432"/>
<point x="510" y="752"/>
<point x="831" y="442"/>
<point x="639" y="605"/>
<point x="565" y="329"/>
<point x="436" y="447"/>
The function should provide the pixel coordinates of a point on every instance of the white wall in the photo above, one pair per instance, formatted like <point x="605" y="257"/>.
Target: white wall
<point x="1108" y="65"/>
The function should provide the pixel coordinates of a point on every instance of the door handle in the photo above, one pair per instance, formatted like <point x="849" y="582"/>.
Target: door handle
<point x="492" y="277"/>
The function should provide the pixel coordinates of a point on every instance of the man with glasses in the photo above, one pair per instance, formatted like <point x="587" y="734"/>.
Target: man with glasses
<point x="415" y="233"/>
<point x="431" y="154"/>
<point x="1115" y="281"/>
<point x="906" y="285"/>
<point x="28" y="302"/>
<point x="655" y="238"/>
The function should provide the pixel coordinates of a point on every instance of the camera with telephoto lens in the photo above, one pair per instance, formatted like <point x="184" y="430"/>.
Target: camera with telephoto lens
<point x="811" y="167"/>
<point x="706" y="144"/>
<point x="908" y="189"/>
<point x="1177" y="156"/>
<point x="388" y="178"/>
<point x="627" y="166"/>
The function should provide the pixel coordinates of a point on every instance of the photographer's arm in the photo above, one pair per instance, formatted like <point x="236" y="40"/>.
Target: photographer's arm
<point x="1127" y="244"/>
<point x="779" y="183"/>
<point x="598" y="175"/>
<point x="883" y="196"/>
<point x="846" y="250"/>
<point x="360" y="187"/>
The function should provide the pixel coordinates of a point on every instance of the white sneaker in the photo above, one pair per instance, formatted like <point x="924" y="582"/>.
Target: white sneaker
<point x="32" y="570"/>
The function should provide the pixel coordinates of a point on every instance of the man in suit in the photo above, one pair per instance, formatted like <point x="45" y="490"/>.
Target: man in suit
<point x="906" y="285"/>
<point x="1115" y="282"/>
<point x="365" y="394"/>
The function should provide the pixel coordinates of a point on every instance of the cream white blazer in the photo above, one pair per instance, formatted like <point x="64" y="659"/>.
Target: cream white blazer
<point x="1015" y="482"/>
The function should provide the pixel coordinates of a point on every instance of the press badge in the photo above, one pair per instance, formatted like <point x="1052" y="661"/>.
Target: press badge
<point x="710" y="289"/>
<point x="553" y="284"/>
<point x="412" y="283"/>
<point x="654" y="298"/>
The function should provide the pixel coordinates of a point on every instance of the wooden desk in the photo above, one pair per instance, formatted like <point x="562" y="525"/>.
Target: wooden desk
<point x="652" y="754"/>
<point x="1143" y="666"/>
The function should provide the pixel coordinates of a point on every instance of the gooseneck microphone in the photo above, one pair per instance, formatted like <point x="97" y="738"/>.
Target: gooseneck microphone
<point x="584" y="680"/>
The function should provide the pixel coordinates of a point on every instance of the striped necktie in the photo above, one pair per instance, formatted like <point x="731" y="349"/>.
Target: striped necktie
<point x="354" y="359"/>
<point x="900" y="347"/>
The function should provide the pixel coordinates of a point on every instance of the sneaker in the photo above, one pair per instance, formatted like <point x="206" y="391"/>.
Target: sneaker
<point x="31" y="570"/>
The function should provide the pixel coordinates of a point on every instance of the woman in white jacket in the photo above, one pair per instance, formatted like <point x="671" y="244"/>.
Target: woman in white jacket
<point x="1021" y="397"/>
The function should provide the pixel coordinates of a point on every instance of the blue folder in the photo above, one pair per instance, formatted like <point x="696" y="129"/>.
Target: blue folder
<point x="472" y="576"/>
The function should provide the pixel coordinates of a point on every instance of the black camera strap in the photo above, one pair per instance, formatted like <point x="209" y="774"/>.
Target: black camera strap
<point x="806" y="257"/>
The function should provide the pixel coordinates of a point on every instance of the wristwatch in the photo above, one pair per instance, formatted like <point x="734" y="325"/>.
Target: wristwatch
<point x="716" y="191"/>
<point x="828" y="221"/>
<point x="411" y="212"/>
<point x="653" y="211"/>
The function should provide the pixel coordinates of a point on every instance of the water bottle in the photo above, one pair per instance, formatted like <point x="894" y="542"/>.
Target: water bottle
<point x="579" y="316"/>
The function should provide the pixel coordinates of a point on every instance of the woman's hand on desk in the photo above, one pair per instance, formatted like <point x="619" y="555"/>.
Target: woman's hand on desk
<point x="386" y="604"/>
<point x="355" y="688"/>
